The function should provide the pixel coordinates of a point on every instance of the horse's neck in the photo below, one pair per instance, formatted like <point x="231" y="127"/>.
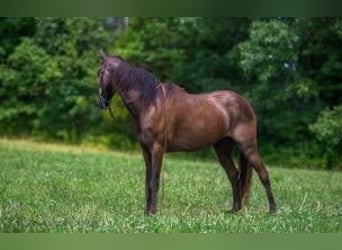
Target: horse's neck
<point x="133" y="97"/>
<point x="132" y="101"/>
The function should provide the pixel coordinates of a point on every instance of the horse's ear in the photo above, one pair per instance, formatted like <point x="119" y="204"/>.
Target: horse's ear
<point x="102" y="54"/>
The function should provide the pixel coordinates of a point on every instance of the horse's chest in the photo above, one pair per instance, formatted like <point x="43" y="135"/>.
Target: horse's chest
<point x="150" y="131"/>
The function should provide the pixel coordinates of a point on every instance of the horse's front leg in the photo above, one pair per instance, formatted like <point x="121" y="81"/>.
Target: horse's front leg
<point x="153" y="159"/>
<point x="148" y="167"/>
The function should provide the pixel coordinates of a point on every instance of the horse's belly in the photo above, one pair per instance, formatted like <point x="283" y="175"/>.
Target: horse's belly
<point x="195" y="135"/>
<point x="178" y="145"/>
<point x="197" y="123"/>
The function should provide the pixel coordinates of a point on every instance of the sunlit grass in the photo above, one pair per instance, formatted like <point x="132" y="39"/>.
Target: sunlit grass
<point x="56" y="188"/>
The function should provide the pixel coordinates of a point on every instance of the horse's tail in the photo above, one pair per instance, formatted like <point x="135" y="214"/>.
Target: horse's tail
<point x="246" y="172"/>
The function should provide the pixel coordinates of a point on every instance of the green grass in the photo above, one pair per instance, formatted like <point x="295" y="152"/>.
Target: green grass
<point x="52" y="188"/>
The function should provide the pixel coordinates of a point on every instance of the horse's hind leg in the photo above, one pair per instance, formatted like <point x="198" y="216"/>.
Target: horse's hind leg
<point x="251" y="153"/>
<point x="223" y="150"/>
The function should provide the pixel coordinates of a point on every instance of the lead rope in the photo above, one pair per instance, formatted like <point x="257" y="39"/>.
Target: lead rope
<point x="165" y="144"/>
<point x="110" y="112"/>
<point x="165" y="138"/>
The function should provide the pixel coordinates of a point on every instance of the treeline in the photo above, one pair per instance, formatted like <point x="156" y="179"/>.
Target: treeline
<point x="290" y="69"/>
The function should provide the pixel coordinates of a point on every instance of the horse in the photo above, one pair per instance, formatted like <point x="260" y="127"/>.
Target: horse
<point x="169" y="119"/>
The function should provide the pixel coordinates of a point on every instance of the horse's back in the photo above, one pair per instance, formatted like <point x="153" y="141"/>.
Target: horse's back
<point x="235" y="103"/>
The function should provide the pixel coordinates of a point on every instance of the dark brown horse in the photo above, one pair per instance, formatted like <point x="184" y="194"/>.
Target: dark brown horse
<point x="168" y="119"/>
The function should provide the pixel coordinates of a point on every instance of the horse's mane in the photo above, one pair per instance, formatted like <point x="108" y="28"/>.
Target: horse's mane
<point x="129" y="77"/>
<point x="173" y="89"/>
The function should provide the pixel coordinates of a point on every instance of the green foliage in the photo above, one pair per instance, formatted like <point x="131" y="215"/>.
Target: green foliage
<point x="48" y="84"/>
<point x="12" y="30"/>
<point x="50" y="188"/>
<point x="320" y="58"/>
<point x="328" y="130"/>
<point x="185" y="50"/>
<point x="154" y="43"/>
<point x="271" y="51"/>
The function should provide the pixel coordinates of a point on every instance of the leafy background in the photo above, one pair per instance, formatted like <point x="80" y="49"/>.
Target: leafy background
<point x="290" y="69"/>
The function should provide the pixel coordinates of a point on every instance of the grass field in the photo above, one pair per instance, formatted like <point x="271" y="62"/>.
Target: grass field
<point x="54" y="188"/>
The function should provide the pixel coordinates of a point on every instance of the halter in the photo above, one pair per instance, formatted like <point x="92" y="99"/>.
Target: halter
<point x="106" y="103"/>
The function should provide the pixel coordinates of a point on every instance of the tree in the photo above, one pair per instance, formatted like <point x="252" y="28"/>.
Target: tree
<point x="12" y="30"/>
<point x="328" y="130"/>
<point x="193" y="52"/>
<point x="49" y="79"/>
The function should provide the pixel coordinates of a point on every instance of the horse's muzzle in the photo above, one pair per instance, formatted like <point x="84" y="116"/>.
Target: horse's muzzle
<point x="102" y="102"/>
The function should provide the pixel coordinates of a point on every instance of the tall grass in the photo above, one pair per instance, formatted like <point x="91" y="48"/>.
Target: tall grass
<point x="54" y="188"/>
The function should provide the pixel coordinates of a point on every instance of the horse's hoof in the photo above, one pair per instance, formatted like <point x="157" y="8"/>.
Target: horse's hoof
<point x="151" y="211"/>
<point x="233" y="210"/>
<point x="148" y="213"/>
<point x="273" y="209"/>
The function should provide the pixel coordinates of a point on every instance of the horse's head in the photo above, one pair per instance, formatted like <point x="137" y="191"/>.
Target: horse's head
<point x="106" y="82"/>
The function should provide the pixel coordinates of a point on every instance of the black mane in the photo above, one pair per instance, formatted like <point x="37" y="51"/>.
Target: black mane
<point x="128" y="77"/>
